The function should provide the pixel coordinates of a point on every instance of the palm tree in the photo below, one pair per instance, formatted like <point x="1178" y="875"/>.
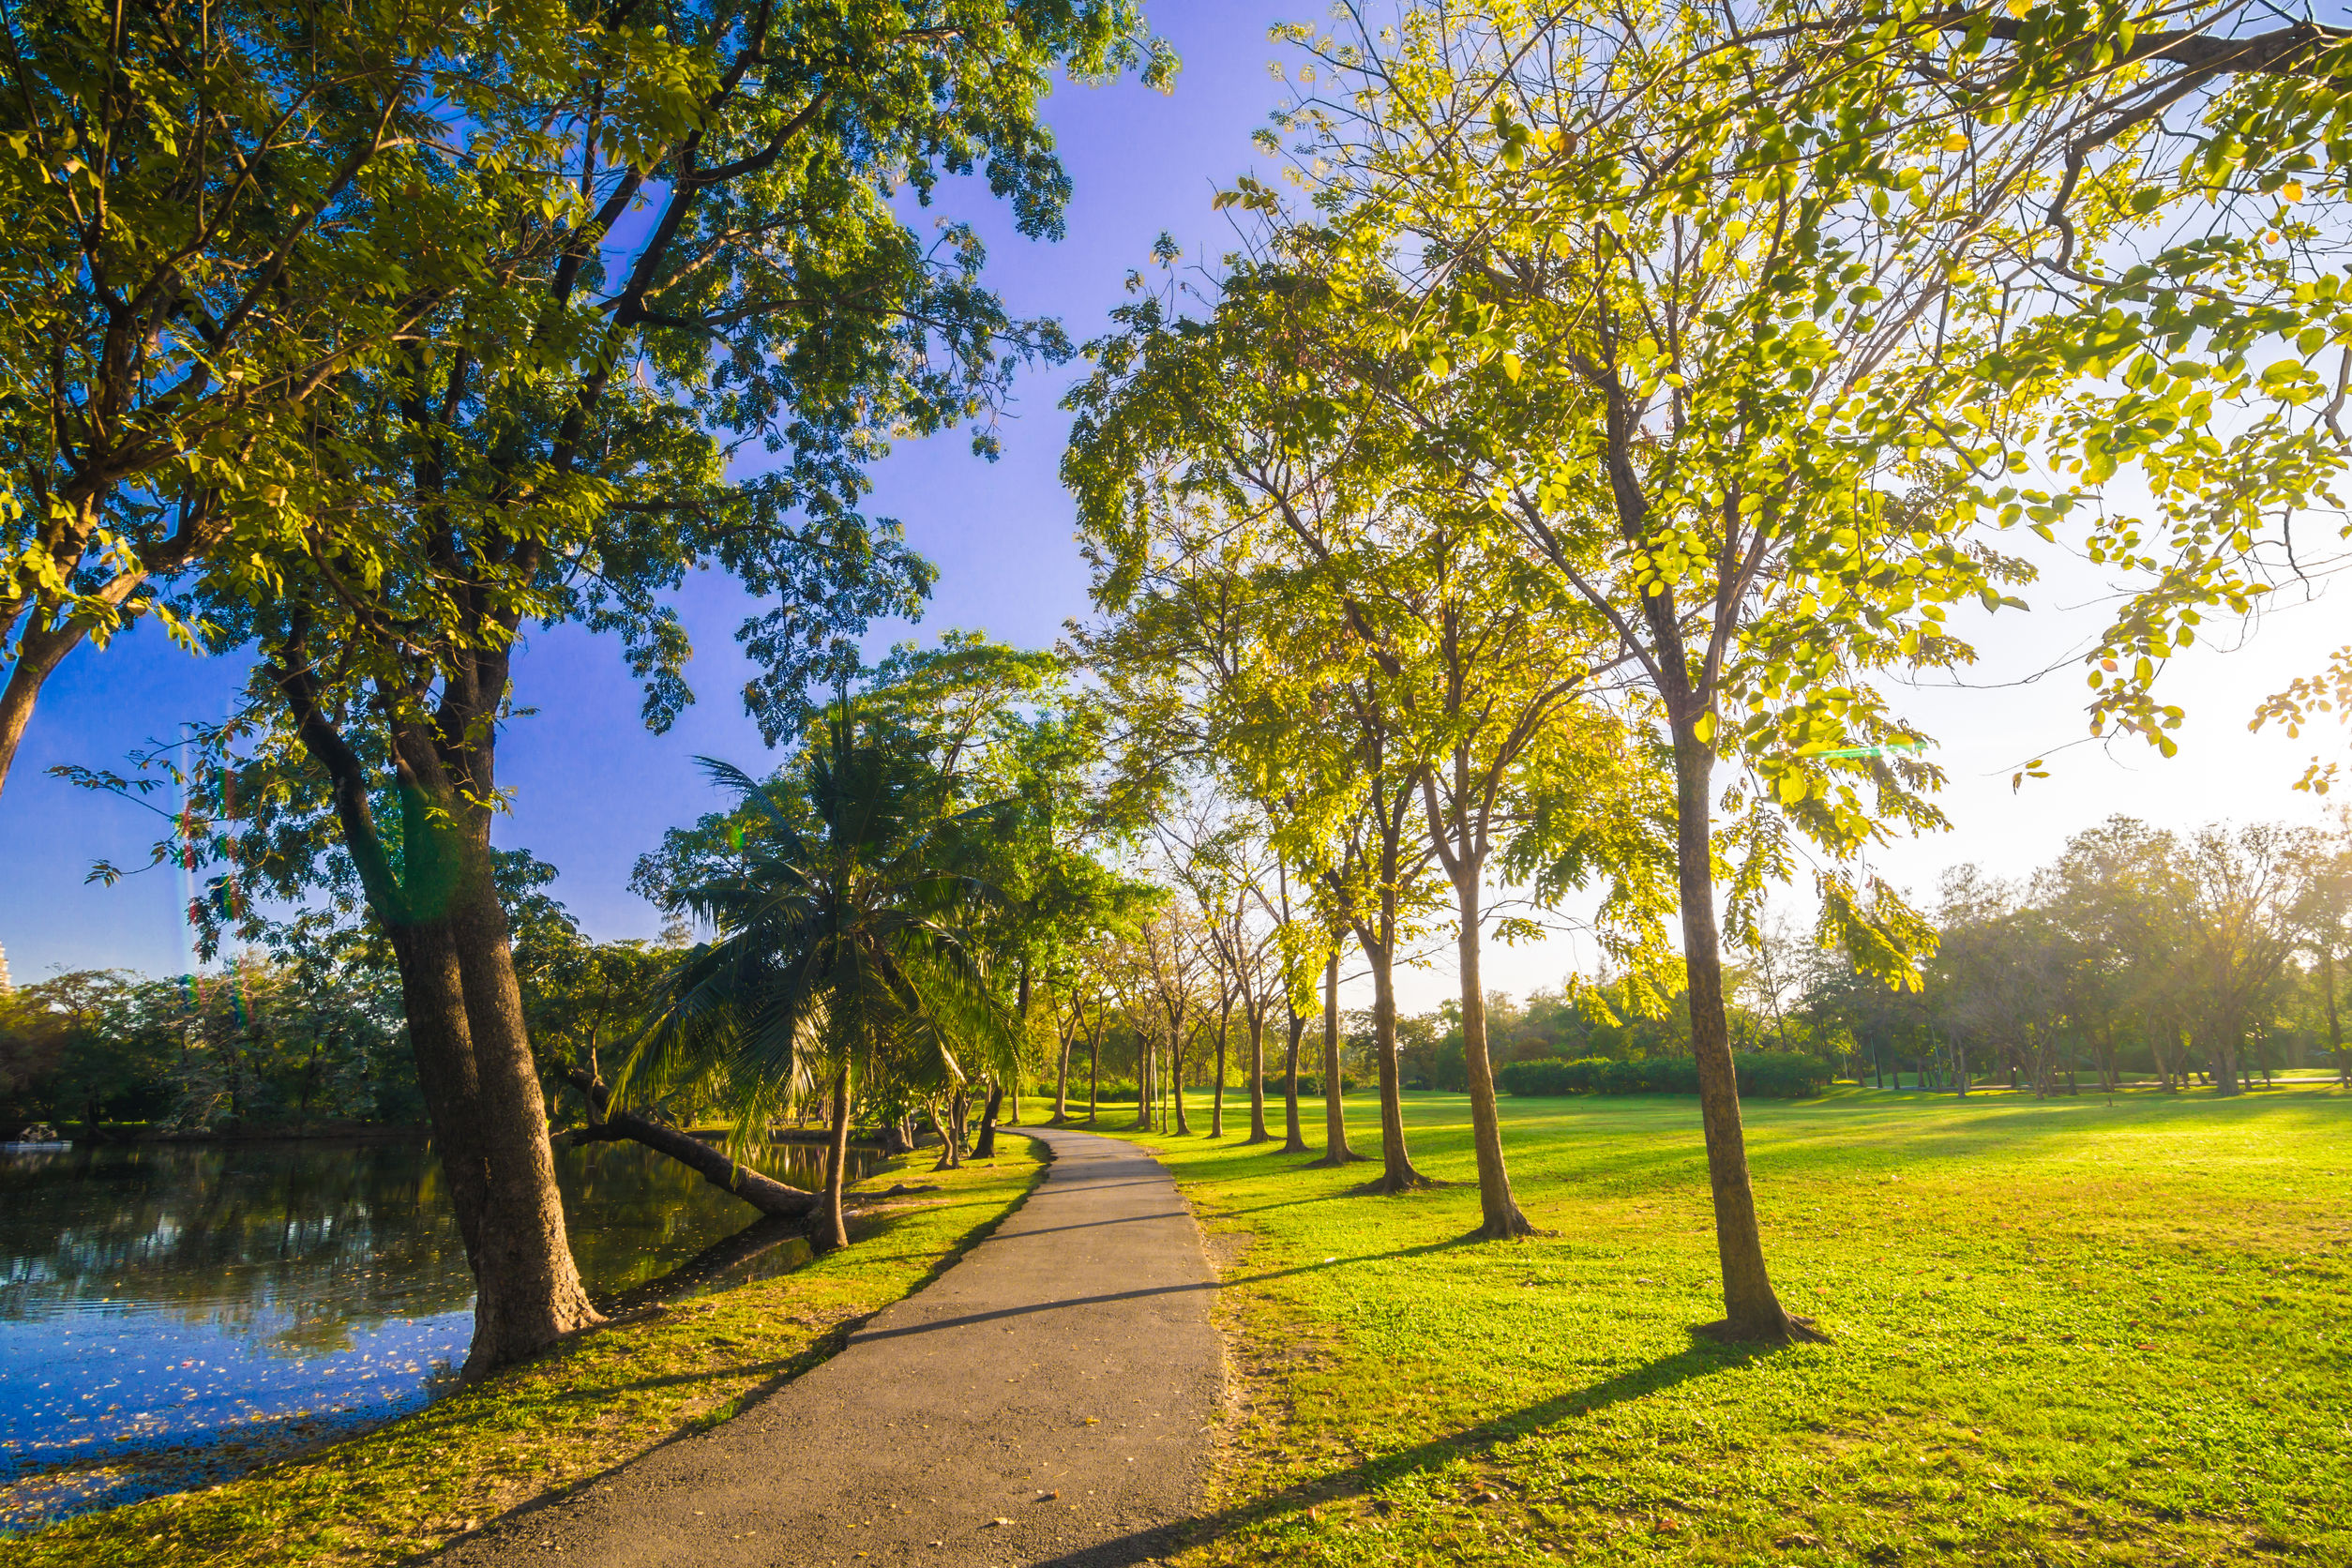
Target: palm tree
<point x="844" y="945"/>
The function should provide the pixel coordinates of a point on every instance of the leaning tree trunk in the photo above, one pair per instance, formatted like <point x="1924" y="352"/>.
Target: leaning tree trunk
<point x="1336" y="1150"/>
<point x="38" y="652"/>
<point x="1752" y="1311"/>
<point x="1292" y="1143"/>
<point x="985" y="1148"/>
<point x="1500" y="1216"/>
<point x="831" y="1230"/>
<point x="607" y="1125"/>
<point x="1095" y="1075"/>
<point x="1258" y="1133"/>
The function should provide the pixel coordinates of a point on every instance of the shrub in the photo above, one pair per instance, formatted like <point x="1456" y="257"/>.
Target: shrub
<point x="1763" y="1075"/>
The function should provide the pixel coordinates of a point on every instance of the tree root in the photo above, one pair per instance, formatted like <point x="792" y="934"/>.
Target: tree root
<point x="1795" y="1331"/>
<point x="1509" y="1229"/>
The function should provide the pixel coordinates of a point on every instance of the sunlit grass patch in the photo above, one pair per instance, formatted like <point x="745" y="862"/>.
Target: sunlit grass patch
<point x="2063" y="1332"/>
<point x="410" y="1487"/>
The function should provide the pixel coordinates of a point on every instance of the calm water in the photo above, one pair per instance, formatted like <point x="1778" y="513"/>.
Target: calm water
<point x="170" y="1315"/>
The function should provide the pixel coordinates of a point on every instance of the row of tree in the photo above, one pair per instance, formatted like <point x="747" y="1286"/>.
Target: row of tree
<point x="1543" y="495"/>
<point x="1540" y="501"/>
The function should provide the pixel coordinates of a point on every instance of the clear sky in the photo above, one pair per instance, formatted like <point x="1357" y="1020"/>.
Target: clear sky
<point x="593" y="790"/>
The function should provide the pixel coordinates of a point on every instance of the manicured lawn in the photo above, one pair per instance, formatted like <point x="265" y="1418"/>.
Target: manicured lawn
<point x="2062" y="1333"/>
<point x="408" y="1487"/>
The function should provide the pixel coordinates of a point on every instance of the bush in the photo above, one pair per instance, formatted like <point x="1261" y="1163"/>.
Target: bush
<point x="1763" y="1075"/>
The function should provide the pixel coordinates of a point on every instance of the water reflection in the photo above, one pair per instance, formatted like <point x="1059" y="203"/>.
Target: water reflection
<point x="244" y="1298"/>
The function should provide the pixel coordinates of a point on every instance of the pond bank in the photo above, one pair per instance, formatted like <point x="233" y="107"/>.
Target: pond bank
<point x="418" y="1482"/>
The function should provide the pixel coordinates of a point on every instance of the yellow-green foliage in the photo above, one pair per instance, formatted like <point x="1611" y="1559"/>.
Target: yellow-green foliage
<point x="2063" y="1333"/>
<point x="408" y="1487"/>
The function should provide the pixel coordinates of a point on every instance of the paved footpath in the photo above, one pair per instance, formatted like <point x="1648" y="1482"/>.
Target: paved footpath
<point x="1069" y="1353"/>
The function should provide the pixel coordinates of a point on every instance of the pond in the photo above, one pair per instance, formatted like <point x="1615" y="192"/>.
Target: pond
<point x="172" y="1313"/>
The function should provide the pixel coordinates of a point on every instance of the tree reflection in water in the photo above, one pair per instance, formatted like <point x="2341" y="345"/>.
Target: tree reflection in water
<point x="170" y="1314"/>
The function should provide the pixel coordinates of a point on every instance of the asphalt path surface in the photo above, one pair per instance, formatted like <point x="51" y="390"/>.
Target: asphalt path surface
<point x="1046" y="1400"/>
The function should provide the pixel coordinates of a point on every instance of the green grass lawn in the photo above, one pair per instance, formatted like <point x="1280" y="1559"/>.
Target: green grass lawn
<point x="407" y="1488"/>
<point x="2065" y="1331"/>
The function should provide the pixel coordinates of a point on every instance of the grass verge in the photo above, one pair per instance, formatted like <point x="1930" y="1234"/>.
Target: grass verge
<point x="2065" y="1331"/>
<point x="410" y="1487"/>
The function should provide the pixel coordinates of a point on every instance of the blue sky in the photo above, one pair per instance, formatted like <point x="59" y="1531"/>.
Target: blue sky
<point x="593" y="790"/>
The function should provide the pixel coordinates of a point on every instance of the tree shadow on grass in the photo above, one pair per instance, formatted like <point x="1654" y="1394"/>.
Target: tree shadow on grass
<point x="1372" y="1474"/>
<point x="1145" y="1292"/>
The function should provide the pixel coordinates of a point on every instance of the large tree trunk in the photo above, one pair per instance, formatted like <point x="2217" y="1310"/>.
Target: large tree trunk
<point x="1095" y="1075"/>
<point x="438" y="901"/>
<point x="831" y="1230"/>
<point x="433" y="1000"/>
<point x="1293" y="1143"/>
<point x="2224" y="1069"/>
<point x="1500" y="1216"/>
<point x="607" y="1125"/>
<point x="1336" y="1150"/>
<point x="1752" y="1311"/>
<point x="528" y="1292"/>
<point x="1258" y="1133"/>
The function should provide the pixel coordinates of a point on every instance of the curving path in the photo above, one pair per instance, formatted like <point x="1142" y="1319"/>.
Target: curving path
<point x="1069" y="1353"/>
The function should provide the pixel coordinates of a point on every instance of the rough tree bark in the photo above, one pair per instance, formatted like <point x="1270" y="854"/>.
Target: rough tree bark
<point x="537" y="1296"/>
<point x="438" y="902"/>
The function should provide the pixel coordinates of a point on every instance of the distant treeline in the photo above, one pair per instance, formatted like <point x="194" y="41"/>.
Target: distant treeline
<point x="265" y="1042"/>
<point x="2207" y="957"/>
<point x="302" y="1034"/>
